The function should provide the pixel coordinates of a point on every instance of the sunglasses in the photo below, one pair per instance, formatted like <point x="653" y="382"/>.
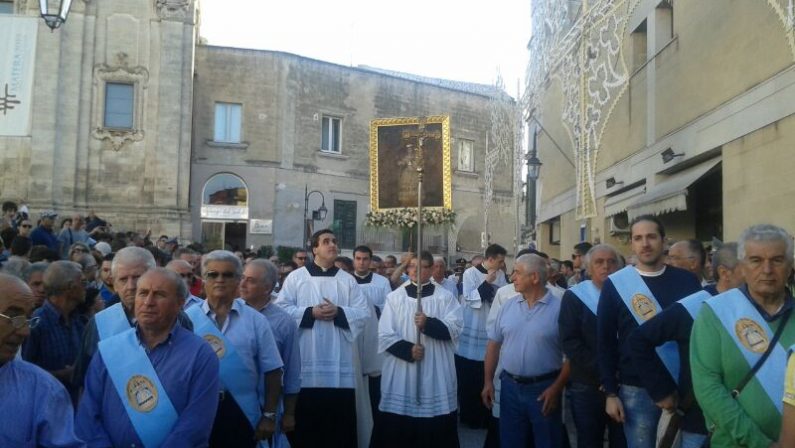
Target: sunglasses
<point x="190" y="275"/>
<point x="19" y="322"/>
<point x="79" y="249"/>
<point x="26" y="226"/>
<point x="213" y="275"/>
<point x="300" y="258"/>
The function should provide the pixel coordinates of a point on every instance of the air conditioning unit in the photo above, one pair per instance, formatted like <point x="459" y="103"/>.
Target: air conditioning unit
<point x="619" y="223"/>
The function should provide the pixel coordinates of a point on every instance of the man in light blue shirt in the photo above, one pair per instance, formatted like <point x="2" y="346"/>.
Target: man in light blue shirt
<point x="35" y="407"/>
<point x="525" y="338"/>
<point x="236" y="327"/>
<point x="256" y="286"/>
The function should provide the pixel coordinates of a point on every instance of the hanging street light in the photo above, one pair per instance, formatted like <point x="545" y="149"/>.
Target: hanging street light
<point x="54" y="17"/>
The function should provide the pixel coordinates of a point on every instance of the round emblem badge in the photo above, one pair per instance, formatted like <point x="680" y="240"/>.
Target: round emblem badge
<point x="141" y="393"/>
<point x="217" y="345"/>
<point x="752" y="335"/>
<point x="643" y="307"/>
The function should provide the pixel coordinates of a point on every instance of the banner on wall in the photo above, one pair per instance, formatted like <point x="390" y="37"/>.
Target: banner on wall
<point x="17" y="57"/>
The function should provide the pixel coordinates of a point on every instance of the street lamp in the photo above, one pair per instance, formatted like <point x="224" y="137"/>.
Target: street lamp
<point x="51" y="18"/>
<point x="317" y="215"/>
<point x="533" y="168"/>
<point x="533" y="171"/>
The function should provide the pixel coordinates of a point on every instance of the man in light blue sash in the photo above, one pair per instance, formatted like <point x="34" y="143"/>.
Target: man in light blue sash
<point x="675" y="324"/>
<point x="251" y="367"/>
<point x="154" y="385"/>
<point x="732" y="332"/>
<point x="630" y="297"/>
<point x="35" y="408"/>
<point x="128" y="265"/>
<point x="577" y="323"/>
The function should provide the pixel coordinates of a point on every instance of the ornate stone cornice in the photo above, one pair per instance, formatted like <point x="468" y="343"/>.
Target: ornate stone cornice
<point x="120" y="72"/>
<point x="178" y="10"/>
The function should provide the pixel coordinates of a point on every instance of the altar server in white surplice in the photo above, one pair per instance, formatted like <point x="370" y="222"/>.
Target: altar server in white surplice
<point x="331" y="313"/>
<point x="430" y="421"/>
<point x="375" y="287"/>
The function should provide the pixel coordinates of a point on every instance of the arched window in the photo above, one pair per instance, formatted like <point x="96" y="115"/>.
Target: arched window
<point x="225" y="196"/>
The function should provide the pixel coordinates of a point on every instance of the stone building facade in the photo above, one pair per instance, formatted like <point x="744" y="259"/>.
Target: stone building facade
<point x="679" y="109"/>
<point x="135" y="119"/>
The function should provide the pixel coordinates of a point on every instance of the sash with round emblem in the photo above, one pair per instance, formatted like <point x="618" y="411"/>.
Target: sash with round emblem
<point x="217" y="344"/>
<point x="141" y="393"/>
<point x="751" y="335"/>
<point x="643" y="307"/>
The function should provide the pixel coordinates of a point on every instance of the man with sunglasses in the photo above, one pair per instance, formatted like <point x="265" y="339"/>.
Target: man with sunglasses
<point x="299" y="258"/>
<point x="331" y="311"/>
<point x="185" y="270"/>
<point x="35" y="407"/>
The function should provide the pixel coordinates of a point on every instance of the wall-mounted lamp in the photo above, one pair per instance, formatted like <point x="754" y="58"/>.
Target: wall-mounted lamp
<point x="612" y="182"/>
<point x="669" y="155"/>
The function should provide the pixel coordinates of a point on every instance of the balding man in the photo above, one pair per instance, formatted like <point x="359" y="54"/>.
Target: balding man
<point x="577" y="322"/>
<point x="155" y="384"/>
<point x="438" y="275"/>
<point x="54" y="344"/>
<point x="36" y="408"/>
<point x="256" y="287"/>
<point x="185" y="270"/>
<point x="732" y="333"/>
<point x="690" y="256"/>
<point x="128" y="265"/>
<point x="675" y="324"/>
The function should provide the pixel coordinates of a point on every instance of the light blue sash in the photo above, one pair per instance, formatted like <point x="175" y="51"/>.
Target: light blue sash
<point x="234" y="373"/>
<point x="692" y="303"/>
<point x="588" y="294"/>
<point x="751" y="333"/>
<point x="642" y="305"/>
<point x="111" y="321"/>
<point x="140" y="391"/>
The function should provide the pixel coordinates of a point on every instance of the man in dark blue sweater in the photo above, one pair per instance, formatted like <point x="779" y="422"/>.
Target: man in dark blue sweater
<point x="629" y="298"/>
<point x="675" y="324"/>
<point x="577" y="322"/>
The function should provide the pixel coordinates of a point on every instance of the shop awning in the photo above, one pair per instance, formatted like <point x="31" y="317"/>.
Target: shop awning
<point x="619" y="203"/>
<point x="670" y="195"/>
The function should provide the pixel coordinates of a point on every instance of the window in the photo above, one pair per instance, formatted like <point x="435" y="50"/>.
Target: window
<point x="664" y="24"/>
<point x="639" y="51"/>
<point x="119" y="105"/>
<point x="466" y="156"/>
<point x="227" y="122"/>
<point x="331" y="134"/>
<point x="6" y="7"/>
<point x="554" y="231"/>
<point x="345" y="223"/>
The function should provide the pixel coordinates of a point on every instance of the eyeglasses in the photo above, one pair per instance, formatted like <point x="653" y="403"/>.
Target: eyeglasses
<point x="26" y="226"/>
<point x="213" y="275"/>
<point x="19" y="322"/>
<point x="79" y="249"/>
<point x="300" y="258"/>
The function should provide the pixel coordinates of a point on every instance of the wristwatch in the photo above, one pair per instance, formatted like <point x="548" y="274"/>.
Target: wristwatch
<point x="269" y="415"/>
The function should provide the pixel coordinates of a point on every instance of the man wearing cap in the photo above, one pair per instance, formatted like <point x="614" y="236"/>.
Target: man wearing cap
<point x="43" y="234"/>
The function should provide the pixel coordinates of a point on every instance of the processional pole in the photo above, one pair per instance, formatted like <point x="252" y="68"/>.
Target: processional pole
<point x="420" y="163"/>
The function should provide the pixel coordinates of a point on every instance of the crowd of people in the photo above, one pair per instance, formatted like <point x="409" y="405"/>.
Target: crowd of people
<point x="113" y="339"/>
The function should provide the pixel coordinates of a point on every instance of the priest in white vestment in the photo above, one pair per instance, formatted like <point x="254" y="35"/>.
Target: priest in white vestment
<point x="331" y="313"/>
<point x="430" y="419"/>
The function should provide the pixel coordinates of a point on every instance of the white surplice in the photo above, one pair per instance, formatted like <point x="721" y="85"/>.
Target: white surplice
<point x="375" y="287"/>
<point x="476" y="309"/>
<point x="438" y="377"/>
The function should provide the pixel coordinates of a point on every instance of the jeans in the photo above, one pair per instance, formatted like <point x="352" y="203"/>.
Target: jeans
<point x="520" y="413"/>
<point x="693" y="440"/>
<point x="641" y="417"/>
<point x="588" y="411"/>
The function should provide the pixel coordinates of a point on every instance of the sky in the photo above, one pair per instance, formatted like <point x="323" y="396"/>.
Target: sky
<point x="462" y="41"/>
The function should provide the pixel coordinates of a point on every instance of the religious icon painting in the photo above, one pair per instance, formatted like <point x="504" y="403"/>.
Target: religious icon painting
<point x="394" y="147"/>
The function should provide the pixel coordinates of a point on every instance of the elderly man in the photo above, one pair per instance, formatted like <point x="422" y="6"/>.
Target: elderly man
<point x="34" y="277"/>
<point x="43" y="234"/>
<point x="331" y="312"/>
<point x="438" y="275"/>
<point x="419" y="384"/>
<point x="577" y="323"/>
<point x="375" y="287"/>
<point x="195" y="259"/>
<point x="675" y="324"/>
<point x="251" y="368"/>
<point x="185" y="270"/>
<point x="630" y="297"/>
<point x="155" y="384"/>
<point x="739" y="389"/>
<point x="481" y="282"/>
<point x="690" y="256"/>
<point x="128" y="265"/>
<point x="35" y="407"/>
<point x="524" y="339"/>
<point x="256" y="286"/>
<point x="54" y="344"/>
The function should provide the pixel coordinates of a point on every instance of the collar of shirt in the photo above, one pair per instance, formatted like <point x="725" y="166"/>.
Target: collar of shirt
<point x="427" y="289"/>
<point x="362" y="280"/>
<point x="317" y="271"/>
<point x="544" y="299"/>
<point x="788" y="305"/>
<point x="481" y="269"/>
<point x="653" y="273"/>
<point x="164" y="342"/>
<point x="53" y="313"/>
<point x="235" y="309"/>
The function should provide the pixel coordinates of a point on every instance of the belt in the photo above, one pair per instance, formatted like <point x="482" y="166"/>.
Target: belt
<point x="221" y="395"/>
<point x="532" y="379"/>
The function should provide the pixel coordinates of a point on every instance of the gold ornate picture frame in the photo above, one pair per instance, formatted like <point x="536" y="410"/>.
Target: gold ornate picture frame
<point x="393" y="178"/>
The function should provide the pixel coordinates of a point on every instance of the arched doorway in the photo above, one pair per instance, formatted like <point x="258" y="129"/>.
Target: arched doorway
<point x="224" y="212"/>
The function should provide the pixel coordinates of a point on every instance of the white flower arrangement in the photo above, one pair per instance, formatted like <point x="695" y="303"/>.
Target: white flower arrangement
<point x="407" y="217"/>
